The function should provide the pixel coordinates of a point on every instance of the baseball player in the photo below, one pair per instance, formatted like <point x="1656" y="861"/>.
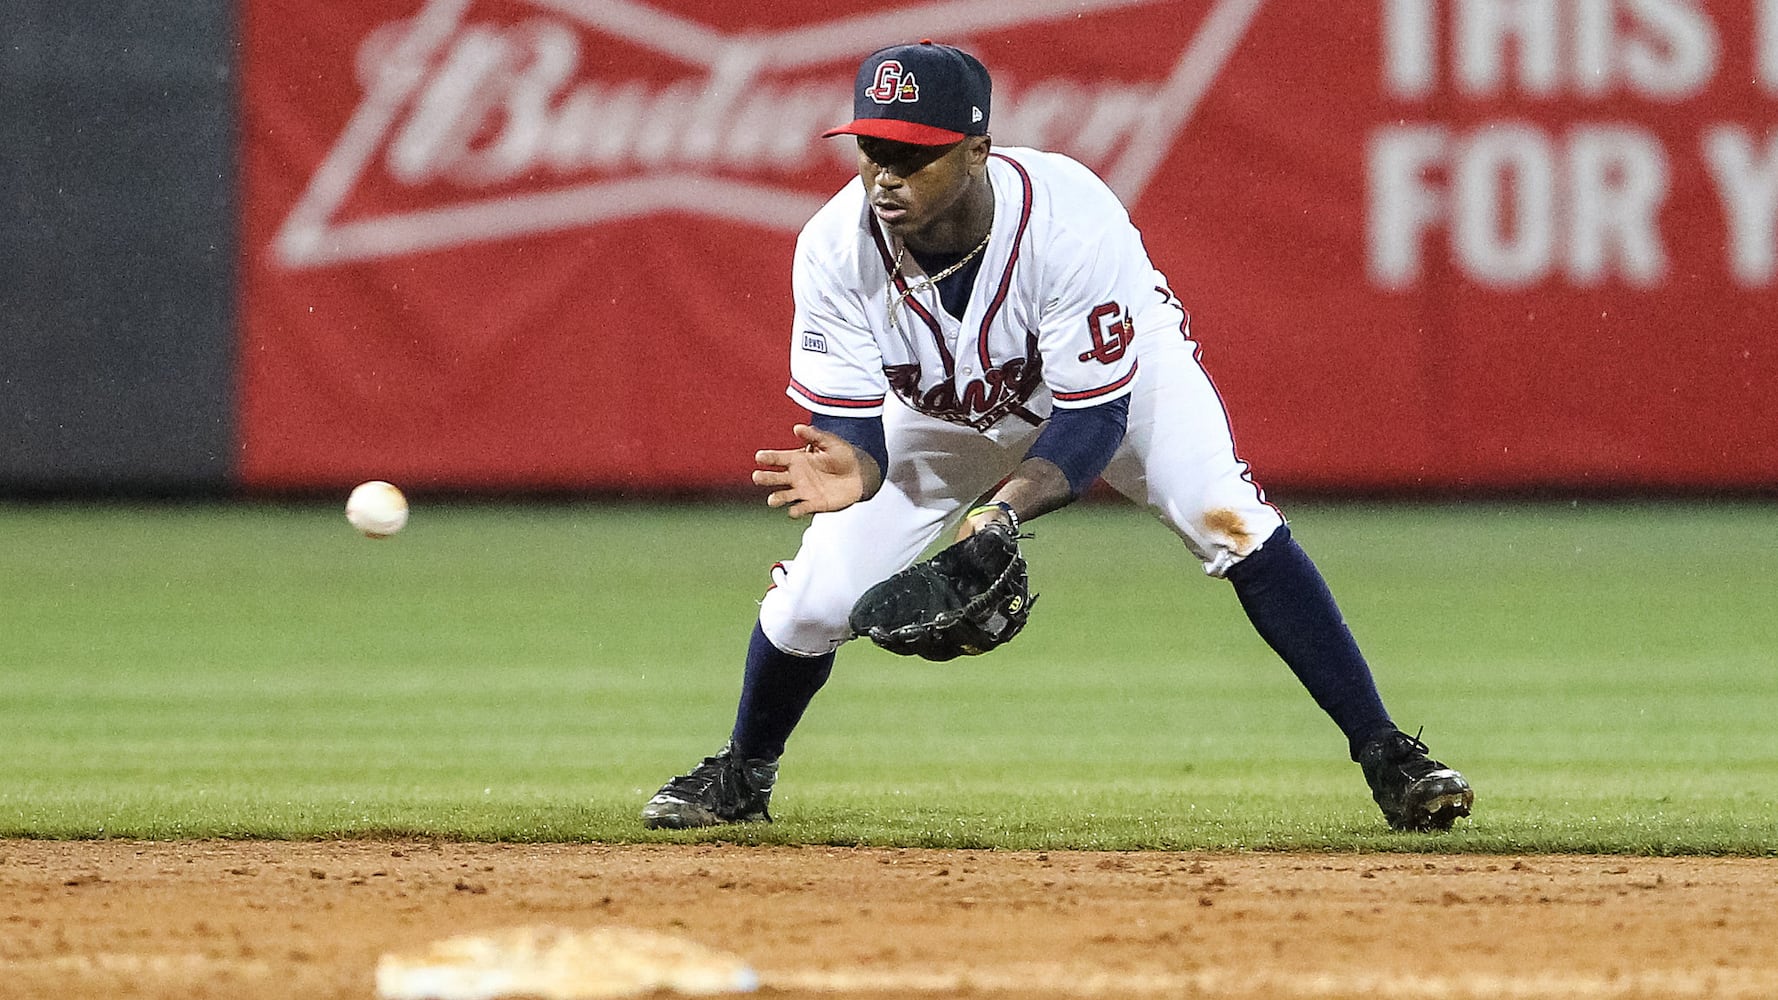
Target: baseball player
<point x="977" y="322"/>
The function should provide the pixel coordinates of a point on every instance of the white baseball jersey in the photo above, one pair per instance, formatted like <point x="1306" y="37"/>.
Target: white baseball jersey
<point x="1048" y="321"/>
<point x="1064" y="303"/>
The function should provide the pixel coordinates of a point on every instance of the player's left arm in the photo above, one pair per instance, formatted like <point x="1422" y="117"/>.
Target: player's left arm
<point x="1085" y="338"/>
<point x="1065" y="460"/>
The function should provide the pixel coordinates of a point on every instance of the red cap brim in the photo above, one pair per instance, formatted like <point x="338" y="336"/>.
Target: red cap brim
<point x="896" y="130"/>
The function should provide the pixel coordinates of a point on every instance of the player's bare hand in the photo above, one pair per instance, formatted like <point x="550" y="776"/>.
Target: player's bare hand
<point x="823" y="475"/>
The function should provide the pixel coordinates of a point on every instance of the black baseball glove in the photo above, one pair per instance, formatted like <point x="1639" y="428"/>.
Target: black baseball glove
<point x="963" y="601"/>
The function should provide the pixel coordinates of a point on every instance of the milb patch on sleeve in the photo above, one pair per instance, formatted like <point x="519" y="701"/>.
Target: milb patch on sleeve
<point x="814" y="342"/>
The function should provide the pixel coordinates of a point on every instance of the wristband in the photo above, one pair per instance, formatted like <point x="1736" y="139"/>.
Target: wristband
<point x="1012" y="516"/>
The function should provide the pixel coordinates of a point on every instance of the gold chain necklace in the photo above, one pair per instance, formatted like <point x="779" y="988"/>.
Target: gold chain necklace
<point x="895" y="300"/>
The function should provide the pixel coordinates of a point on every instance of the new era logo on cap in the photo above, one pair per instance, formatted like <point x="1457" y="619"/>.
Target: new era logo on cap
<point x="926" y="94"/>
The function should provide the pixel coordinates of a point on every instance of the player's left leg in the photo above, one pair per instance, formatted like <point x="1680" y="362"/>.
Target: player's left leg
<point x="1178" y="458"/>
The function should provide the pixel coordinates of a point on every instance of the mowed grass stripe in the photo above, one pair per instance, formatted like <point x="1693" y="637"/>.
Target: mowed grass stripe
<point x="1603" y="673"/>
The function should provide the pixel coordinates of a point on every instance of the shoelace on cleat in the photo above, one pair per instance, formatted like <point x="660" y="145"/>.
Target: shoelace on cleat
<point x="699" y="779"/>
<point x="727" y="774"/>
<point x="1411" y="756"/>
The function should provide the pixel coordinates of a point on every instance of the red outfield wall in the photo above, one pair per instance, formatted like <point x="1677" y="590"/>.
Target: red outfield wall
<point x="1427" y="245"/>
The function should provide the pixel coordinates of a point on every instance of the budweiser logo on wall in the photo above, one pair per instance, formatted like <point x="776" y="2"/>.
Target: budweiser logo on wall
<point x="484" y="121"/>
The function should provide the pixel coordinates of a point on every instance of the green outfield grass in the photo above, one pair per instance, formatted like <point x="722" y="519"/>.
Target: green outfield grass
<point x="1607" y="676"/>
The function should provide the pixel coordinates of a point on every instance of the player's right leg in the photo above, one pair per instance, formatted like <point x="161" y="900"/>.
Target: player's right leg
<point x="934" y="468"/>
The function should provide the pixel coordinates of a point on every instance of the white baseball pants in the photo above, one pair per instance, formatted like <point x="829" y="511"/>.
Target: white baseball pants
<point x="1177" y="458"/>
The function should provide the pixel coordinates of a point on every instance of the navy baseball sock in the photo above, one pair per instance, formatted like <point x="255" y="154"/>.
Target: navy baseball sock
<point x="777" y="687"/>
<point x="1290" y="606"/>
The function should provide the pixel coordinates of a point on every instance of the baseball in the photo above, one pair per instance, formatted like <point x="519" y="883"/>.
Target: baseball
<point x="376" y="508"/>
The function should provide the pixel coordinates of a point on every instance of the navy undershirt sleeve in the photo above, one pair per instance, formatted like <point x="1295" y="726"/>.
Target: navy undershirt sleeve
<point x="863" y="433"/>
<point x="1081" y="441"/>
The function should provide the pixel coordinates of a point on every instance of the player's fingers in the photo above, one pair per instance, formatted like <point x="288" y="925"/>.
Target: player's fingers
<point x="819" y="440"/>
<point x="771" y="477"/>
<point x="777" y="458"/>
<point x="781" y="498"/>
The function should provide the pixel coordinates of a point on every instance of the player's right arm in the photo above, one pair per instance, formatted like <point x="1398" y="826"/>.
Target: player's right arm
<point x="827" y="473"/>
<point x="836" y="372"/>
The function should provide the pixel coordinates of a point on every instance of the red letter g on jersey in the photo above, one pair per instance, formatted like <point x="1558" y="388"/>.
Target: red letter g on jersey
<point x="1112" y="332"/>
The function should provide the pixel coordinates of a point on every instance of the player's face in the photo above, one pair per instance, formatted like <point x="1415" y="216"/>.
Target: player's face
<point x="917" y="190"/>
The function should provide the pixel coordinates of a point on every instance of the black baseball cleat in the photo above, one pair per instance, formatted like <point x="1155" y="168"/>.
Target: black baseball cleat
<point x="1414" y="791"/>
<point x="723" y="789"/>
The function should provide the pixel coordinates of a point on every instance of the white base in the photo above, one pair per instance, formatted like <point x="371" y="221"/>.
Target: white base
<point x="557" y="963"/>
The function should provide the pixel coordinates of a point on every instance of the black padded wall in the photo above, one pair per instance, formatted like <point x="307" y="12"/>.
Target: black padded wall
<point x="116" y="246"/>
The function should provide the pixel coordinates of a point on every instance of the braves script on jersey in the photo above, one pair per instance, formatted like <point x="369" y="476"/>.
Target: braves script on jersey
<point x="1048" y="323"/>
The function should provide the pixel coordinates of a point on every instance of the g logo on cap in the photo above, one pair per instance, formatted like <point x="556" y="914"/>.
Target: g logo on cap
<point x="925" y="94"/>
<point x="893" y="84"/>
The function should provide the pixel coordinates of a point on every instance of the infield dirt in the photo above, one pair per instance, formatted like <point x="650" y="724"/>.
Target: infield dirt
<point x="279" y="920"/>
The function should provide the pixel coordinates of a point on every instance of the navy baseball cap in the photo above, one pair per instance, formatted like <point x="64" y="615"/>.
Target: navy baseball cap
<point x="925" y="94"/>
